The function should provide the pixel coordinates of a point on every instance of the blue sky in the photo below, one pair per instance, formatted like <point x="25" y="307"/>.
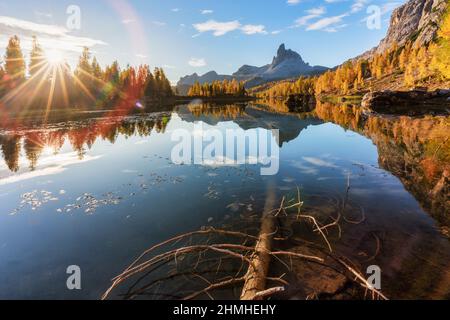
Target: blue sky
<point x="199" y="35"/>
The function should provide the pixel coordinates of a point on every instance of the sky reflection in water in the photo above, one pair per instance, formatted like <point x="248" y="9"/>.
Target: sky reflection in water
<point x="109" y="194"/>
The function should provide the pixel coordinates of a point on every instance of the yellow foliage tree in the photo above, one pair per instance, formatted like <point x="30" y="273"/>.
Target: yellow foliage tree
<point x="441" y="58"/>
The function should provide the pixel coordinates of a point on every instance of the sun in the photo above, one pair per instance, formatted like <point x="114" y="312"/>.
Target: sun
<point x="54" y="57"/>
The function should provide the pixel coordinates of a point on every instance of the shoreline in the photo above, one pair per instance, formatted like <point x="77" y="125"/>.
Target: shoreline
<point x="13" y="117"/>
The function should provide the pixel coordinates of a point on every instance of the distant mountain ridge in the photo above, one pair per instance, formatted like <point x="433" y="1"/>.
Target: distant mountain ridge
<point x="286" y="64"/>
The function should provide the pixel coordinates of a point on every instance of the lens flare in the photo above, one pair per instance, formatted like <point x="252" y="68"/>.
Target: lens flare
<point x="54" y="57"/>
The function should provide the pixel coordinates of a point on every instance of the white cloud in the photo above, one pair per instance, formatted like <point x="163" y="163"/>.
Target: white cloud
<point x="254" y="29"/>
<point x="319" y="162"/>
<point x="314" y="19"/>
<point x="358" y="5"/>
<point x="221" y="28"/>
<point x="217" y="28"/>
<point x="175" y="10"/>
<point x="317" y="11"/>
<point x="304" y="20"/>
<point x="327" y="23"/>
<point x="24" y="25"/>
<point x="49" y="166"/>
<point x="51" y="37"/>
<point x="312" y="14"/>
<point x="293" y="2"/>
<point x="197" y="62"/>
<point x="207" y="11"/>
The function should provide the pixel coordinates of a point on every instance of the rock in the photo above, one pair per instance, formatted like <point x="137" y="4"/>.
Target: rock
<point x="416" y="20"/>
<point x="415" y="102"/>
<point x="310" y="279"/>
<point x="443" y="91"/>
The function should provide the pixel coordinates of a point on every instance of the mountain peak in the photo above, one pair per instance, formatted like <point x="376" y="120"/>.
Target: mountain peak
<point x="283" y="55"/>
<point x="281" y="49"/>
<point x="287" y="64"/>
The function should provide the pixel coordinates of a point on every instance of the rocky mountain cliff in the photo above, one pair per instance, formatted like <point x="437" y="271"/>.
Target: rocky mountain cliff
<point x="416" y="20"/>
<point x="286" y="64"/>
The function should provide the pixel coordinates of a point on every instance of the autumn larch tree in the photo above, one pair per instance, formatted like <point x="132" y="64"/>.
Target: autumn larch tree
<point x="14" y="60"/>
<point x="36" y="58"/>
<point x="441" y="60"/>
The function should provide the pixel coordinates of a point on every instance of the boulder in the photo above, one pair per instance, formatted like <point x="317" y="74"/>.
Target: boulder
<point x="414" y="102"/>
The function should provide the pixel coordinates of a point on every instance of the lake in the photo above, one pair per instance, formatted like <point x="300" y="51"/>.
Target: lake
<point x="99" y="191"/>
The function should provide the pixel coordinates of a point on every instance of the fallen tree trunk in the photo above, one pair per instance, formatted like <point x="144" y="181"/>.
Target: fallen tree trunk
<point x="258" y="269"/>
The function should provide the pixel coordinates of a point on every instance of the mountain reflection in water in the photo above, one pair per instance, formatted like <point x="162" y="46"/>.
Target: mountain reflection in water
<point x="416" y="150"/>
<point x="117" y="171"/>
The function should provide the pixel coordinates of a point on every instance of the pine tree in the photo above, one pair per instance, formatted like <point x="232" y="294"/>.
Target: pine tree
<point x="36" y="58"/>
<point x="11" y="151"/>
<point x="150" y="86"/>
<point x="409" y="76"/>
<point x="422" y="60"/>
<point x="84" y="66"/>
<point x="166" y="88"/>
<point x="112" y="73"/>
<point x="96" y="69"/>
<point x="83" y="73"/>
<point x="402" y="60"/>
<point x="2" y="81"/>
<point x="356" y="85"/>
<point x="14" y="60"/>
<point x="217" y="88"/>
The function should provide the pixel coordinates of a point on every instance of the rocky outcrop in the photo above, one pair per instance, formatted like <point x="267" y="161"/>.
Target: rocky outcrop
<point x="416" y="21"/>
<point x="288" y="64"/>
<point x="415" y="102"/>
<point x="283" y="55"/>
